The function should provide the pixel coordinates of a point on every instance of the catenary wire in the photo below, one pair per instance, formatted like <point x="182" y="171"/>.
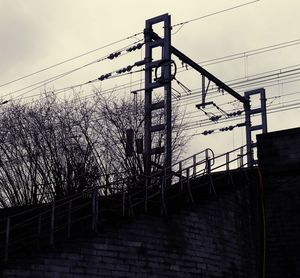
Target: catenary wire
<point x="214" y="13"/>
<point x="56" y="77"/>
<point x="205" y="63"/>
<point x="70" y="59"/>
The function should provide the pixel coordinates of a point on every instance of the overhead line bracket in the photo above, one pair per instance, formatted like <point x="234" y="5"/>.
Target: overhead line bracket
<point x="204" y="72"/>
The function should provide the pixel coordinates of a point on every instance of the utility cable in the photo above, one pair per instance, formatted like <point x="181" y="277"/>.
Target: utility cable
<point x="204" y="123"/>
<point x="249" y="53"/>
<point x="70" y="59"/>
<point x="211" y="14"/>
<point x="211" y="61"/>
<point x="56" y="77"/>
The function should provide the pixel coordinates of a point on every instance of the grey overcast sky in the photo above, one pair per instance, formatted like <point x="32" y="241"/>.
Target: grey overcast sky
<point x="38" y="33"/>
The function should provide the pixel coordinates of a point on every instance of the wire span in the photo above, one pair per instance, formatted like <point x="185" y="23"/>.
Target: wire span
<point x="70" y="59"/>
<point x="211" y="14"/>
<point x="61" y="75"/>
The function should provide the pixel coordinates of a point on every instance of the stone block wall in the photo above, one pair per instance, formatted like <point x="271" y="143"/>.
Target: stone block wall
<point x="215" y="237"/>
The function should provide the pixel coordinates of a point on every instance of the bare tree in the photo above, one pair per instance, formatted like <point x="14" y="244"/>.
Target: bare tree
<point x="52" y="148"/>
<point x="115" y="116"/>
<point x="41" y="155"/>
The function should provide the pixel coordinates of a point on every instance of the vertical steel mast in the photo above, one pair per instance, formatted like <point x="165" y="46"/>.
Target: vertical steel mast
<point x="153" y="82"/>
<point x="261" y="127"/>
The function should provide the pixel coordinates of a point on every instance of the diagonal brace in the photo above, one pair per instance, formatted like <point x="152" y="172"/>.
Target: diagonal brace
<point x="204" y="72"/>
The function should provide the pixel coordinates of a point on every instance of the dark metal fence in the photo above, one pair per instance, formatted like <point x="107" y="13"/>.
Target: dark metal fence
<point x="48" y="224"/>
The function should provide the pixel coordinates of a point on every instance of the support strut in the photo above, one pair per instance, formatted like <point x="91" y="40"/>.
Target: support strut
<point x="152" y="82"/>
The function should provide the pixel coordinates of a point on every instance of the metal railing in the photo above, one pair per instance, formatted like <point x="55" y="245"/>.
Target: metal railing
<point x="47" y="224"/>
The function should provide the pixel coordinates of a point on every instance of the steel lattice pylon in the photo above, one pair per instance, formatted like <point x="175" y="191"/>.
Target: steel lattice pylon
<point x="152" y="83"/>
<point x="249" y="113"/>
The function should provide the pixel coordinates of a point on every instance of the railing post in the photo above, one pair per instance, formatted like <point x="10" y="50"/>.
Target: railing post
<point x="207" y="162"/>
<point x="242" y="157"/>
<point x="52" y="224"/>
<point x="180" y="178"/>
<point x="69" y="219"/>
<point x="189" y="185"/>
<point x="227" y="162"/>
<point x="194" y="164"/>
<point x="208" y="166"/>
<point x="7" y="234"/>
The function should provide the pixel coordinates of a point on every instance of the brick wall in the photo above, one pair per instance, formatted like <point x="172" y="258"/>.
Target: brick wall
<point x="214" y="237"/>
<point x="279" y="159"/>
<point x="282" y="201"/>
<point x="279" y="151"/>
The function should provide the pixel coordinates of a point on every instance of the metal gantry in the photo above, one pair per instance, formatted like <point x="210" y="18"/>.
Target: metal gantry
<point x="152" y="40"/>
<point x="51" y="223"/>
<point x="44" y="219"/>
<point x="250" y="112"/>
<point x="153" y="82"/>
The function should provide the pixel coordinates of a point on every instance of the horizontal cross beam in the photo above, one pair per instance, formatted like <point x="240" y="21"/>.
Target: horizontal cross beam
<point x="204" y="72"/>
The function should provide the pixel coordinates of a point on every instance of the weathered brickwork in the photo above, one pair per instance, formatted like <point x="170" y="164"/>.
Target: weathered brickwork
<point x="279" y="154"/>
<point x="283" y="225"/>
<point x="214" y="237"/>
<point x="279" y="151"/>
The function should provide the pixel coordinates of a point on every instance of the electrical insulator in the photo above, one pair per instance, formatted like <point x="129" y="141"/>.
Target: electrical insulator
<point x="120" y="71"/>
<point x="104" y="76"/>
<point x="215" y="118"/>
<point x="241" y="124"/>
<point x="135" y="47"/>
<point x="114" y="55"/>
<point x="234" y="114"/>
<point x="123" y="70"/>
<point x="139" y="45"/>
<point x="227" y="128"/>
<point x="207" y="132"/>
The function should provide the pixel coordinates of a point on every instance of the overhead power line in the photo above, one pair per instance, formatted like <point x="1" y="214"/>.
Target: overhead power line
<point x="70" y="59"/>
<point x="186" y="99"/>
<point x="250" y="52"/>
<point x="118" y="41"/>
<point x="266" y="79"/>
<point x="206" y="63"/>
<point x="204" y="122"/>
<point x="203" y="63"/>
<point x="61" y="75"/>
<point x="181" y="24"/>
